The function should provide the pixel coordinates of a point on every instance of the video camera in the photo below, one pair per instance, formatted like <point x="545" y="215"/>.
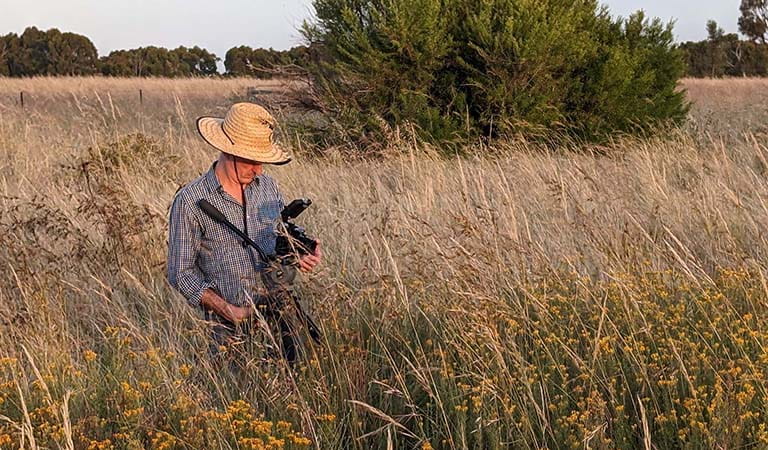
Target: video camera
<point x="295" y="242"/>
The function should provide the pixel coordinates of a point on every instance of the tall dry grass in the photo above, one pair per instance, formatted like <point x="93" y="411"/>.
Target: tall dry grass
<point x="509" y="298"/>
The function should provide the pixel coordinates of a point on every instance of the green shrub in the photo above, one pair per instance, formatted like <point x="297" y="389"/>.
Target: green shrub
<point x="461" y="69"/>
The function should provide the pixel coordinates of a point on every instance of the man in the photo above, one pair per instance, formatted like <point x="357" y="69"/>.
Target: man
<point x="207" y="262"/>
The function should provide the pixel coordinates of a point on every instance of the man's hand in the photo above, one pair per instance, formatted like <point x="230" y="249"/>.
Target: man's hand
<point x="235" y="314"/>
<point x="308" y="262"/>
<point x="239" y="314"/>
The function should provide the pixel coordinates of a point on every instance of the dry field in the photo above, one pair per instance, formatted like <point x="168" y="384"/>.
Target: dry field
<point x="511" y="298"/>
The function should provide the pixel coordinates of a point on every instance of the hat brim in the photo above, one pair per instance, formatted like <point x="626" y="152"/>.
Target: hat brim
<point x="211" y="131"/>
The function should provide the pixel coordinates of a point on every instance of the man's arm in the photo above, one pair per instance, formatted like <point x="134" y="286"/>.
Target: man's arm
<point x="213" y="302"/>
<point x="184" y="237"/>
<point x="184" y="240"/>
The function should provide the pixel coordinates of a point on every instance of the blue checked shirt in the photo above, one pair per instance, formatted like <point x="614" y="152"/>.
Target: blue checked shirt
<point x="203" y="254"/>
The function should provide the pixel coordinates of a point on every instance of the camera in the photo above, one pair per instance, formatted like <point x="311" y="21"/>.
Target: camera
<point x="295" y="241"/>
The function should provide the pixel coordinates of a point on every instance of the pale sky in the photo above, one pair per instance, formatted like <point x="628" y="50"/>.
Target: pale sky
<point x="221" y="24"/>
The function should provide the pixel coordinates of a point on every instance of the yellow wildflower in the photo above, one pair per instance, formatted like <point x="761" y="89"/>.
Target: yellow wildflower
<point x="301" y="440"/>
<point x="89" y="355"/>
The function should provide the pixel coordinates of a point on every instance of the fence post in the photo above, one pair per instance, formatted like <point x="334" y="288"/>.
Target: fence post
<point x="141" y="97"/>
<point x="21" y="97"/>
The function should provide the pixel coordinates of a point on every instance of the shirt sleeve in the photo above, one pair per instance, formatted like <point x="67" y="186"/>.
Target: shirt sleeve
<point x="184" y="237"/>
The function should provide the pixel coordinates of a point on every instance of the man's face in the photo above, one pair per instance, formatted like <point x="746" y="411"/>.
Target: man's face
<point x="246" y="169"/>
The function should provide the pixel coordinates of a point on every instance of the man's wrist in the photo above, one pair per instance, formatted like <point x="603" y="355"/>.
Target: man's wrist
<point x="211" y="301"/>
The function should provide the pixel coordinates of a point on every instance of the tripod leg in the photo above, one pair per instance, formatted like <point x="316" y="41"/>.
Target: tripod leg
<point x="288" y="341"/>
<point x="306" y="319"/>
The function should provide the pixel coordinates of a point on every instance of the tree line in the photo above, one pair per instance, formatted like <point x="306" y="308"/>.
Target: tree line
<point x="52" y="52"/>
<point x="722" y="54"/>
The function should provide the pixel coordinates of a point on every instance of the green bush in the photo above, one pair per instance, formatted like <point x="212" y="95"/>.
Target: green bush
<point x="460" y="69"/>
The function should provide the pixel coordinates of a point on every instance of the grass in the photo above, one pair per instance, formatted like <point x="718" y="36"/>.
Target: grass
<point x="509" y="298"/>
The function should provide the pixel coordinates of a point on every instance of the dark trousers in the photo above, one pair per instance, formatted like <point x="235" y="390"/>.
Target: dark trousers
<point x="237" y="346"/>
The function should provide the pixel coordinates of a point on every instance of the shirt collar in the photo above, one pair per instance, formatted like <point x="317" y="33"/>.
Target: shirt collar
<point x="210" y="177"/>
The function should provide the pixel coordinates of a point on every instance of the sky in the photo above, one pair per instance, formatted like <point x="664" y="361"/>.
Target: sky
<point x="221" y="24"/>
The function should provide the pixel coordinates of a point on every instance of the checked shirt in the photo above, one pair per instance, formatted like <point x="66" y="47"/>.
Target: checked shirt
<point x="203" y="254"/>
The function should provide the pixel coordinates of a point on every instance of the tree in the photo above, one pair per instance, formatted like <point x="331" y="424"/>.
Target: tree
<point x="714" y="32"/>
<point x="260" y="62"/>
<point x="9" y="53"/>
<point x="34" y="57"/>
<point x="693" y="53"/>
<point x="157" y="62"/>
<point x="237" y="61"/>
<point x="119" y="63"/>
<point x="716" y="54"/>
<point x="461" y="69"/>
<point x="73" y="54"/>
<point x="754" y="19"/>
<point x="298" y="56"/>
<point x="196" y="61"/>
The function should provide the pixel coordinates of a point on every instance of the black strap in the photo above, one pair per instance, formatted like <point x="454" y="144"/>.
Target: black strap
<point x="242" y="199"/>
<point x="217" y="216"/>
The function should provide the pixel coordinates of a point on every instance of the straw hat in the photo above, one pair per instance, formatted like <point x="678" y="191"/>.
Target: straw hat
<point x="246" y="131"/>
